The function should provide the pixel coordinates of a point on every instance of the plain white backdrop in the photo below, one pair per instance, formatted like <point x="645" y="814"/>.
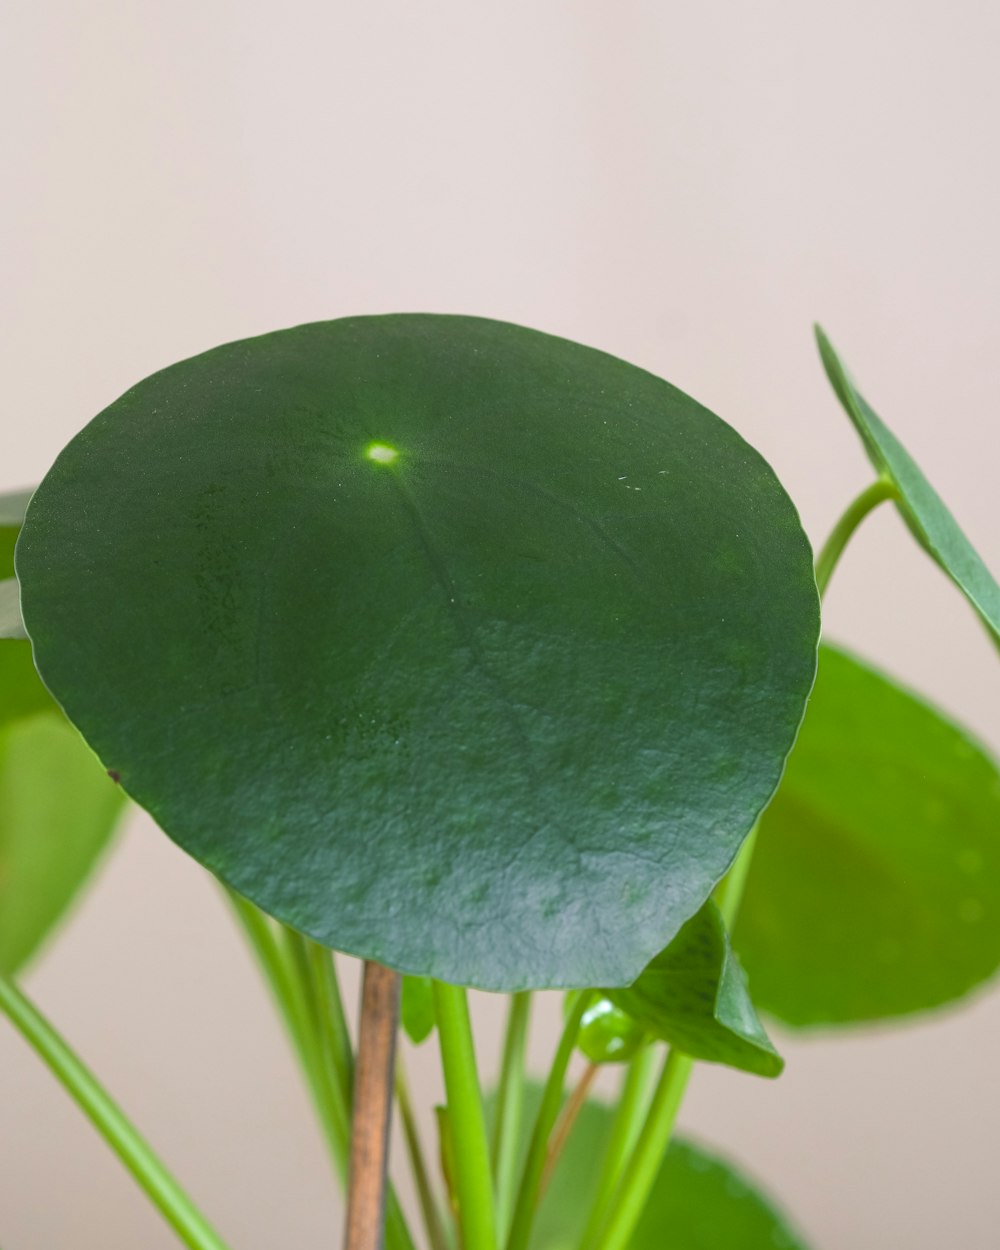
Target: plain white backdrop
<point x="687" y="186"/>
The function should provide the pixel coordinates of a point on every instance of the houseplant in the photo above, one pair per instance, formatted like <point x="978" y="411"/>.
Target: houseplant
<point x="477" y="654"/>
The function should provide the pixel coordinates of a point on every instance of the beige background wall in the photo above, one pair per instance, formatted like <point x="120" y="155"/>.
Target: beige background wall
<point x="687" y="185"/>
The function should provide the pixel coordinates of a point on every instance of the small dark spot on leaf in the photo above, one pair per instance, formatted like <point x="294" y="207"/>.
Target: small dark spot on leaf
<point x="115" y="775"/>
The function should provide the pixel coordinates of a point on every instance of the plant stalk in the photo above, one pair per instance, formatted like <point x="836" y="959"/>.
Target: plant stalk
<point x="373" y="1088"/>
<point x="831" y="551"/>
<point x="548" y="1111"/>
<point x="466" y="1124"/>
<point x="110" y="1121"/>
<point x="421" y="1174"/>
<point x="509" y="1108"/>
<point x="625" y="1130"/>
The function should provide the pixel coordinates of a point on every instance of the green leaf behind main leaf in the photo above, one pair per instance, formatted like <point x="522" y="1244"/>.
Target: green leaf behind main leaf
<point x="875" y="884"/>
<point x="922" y="509"/>
<point x="698" y="1202"/>
<point x="57" y="807"/>
<point x="694" y="996"/>
<point x="451" y="644"/>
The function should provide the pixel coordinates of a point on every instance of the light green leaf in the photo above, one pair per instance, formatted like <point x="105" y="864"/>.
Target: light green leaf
<point x="935" y="528"/>
<point x="698" y="1202"/>
<point x="875" y="885"/>
<point x="694" y="996"/>
<point x="417" y="1009"/>
<point x="11" y="625"/>
<point x="57" y="808"/>
<point x="452" y="644"/>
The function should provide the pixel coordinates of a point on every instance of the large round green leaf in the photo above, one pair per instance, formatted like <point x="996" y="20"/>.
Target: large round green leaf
<point x="921" y="507"/>
<point x="57" y="807"/>
<point x="875" y="885"/>
<point x="698" y="1201"/>
<point x="452" y="644"/>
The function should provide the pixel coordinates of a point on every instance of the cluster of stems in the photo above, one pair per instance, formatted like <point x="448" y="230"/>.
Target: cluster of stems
<point x="489" y="1201"/>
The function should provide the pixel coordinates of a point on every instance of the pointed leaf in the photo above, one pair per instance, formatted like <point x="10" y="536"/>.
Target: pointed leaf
<point x="452" y="644"/>
<point x="875" y="885"/>
<point x="921" y="506"/>
<point x="694" y="996"/>
<point x="698" y="1201"/>
<point x="417" y="1009"/>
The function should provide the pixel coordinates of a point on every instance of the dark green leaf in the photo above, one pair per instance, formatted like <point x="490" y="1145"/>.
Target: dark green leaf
<point x="452" y="644"/>
<point x="607" y="1034"/>
<point x="920" y="505"/>
<point x="875" y="885"/>
<point x="698" y="1202"/>
<point x="694" y="996"/>
<point x="417" y="1009"/>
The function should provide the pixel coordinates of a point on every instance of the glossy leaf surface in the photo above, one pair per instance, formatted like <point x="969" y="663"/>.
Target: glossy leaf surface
<point x="57" y="807"/>
<point x="417" y="1014"/>
<point x="694" y="996"/>
<point x="698" y="1202"/>
<point x="451" y="644"/>
<point x="875" y="885"/>
<point x="921" y="506"/>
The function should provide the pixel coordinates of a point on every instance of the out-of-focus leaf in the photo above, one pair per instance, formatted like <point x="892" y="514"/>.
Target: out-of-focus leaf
<point x="694" y="996"/>
<point x="57" y="806"/>
<point x="698" y="1202"/>
<point x="875" y="885"/>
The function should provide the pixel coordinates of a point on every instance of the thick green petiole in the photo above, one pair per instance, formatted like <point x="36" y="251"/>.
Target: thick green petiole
<point x="637" y="1180"/>
<point x="624" y="1132"/>
<point x="509" y="1107"/>
<point x="109" y="1120"/>
<point x="473" y="1180"/>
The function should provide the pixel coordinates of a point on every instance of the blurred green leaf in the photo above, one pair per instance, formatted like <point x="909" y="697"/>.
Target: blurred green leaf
<point x="57" y="807"/>
<point x="451" y="644"/>
<point x="875" y="885"/>
<point x="922" y="509"/>
<point x="417" y="1009"/>
<point x="694" y="996"/>
<point x="698" y="1202"/>
<point x="11" y="625"/>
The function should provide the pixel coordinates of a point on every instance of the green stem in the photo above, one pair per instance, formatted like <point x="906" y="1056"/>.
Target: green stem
<point x="421" y="1174"/>
<point x="624" y="1132"/>
<point x="465" y="1117"/>
<point x="286" y="962"/>
<point x="880" y="490"/>
<point x="548" y="1112"/>
<point x="509" y="1106"/>
<point x="644" y="1164"/>
<point x="730" y="890"/>
<point x="334" y="1032"/>
<point x="109" y="1120"/>
<point x="276" y="952"/>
